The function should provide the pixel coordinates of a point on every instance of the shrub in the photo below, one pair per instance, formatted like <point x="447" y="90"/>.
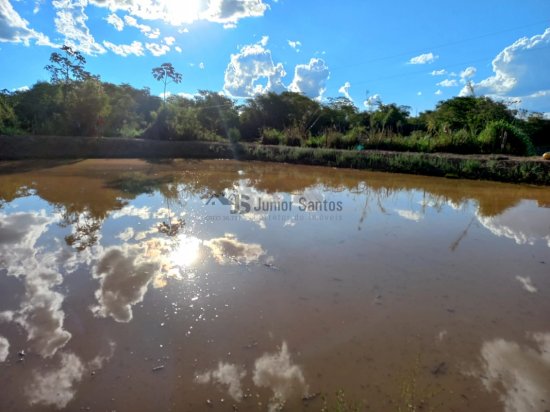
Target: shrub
<point x="271" y="136"/>
<point x="234" y="135"/>
<point x="293" y="136"/>
<point x="502" y="137"/>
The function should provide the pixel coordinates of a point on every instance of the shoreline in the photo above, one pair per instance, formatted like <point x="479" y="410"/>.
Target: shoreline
<point x="530" y="170"/>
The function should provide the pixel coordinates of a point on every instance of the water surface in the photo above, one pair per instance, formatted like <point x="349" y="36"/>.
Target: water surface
<point x="136" y="286"/>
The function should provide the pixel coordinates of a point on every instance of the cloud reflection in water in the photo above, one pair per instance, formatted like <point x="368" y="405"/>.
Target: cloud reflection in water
<point x="4" y="349"/>
<point x="519" y="374"/>
<point x="274" y="371"/>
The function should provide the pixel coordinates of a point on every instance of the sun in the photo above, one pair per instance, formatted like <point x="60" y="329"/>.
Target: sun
<point x="183" y="11"/>
<point x="186" y="252"/>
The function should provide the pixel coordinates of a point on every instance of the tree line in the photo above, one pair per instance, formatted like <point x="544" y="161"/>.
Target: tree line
<point x="75" y="102"/>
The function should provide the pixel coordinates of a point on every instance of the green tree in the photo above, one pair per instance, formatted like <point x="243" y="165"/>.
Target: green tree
<point x="216" y="112"/>
<point x="166" y="73"/>
<point x="67" y="67"/>
<point x="8" y="120"/>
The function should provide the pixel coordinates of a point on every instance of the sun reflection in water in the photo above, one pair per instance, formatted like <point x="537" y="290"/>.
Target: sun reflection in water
<point x="186" y="252"/>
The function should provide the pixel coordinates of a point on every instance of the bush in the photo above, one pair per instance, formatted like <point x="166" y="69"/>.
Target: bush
<point x="502" y="137"/>
<point x="271" y="136"/>
<point x="234" y="135"/>
<point x="293" y="136"/>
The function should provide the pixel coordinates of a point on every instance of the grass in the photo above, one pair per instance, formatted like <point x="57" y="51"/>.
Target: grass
<point x="487" y="167"/>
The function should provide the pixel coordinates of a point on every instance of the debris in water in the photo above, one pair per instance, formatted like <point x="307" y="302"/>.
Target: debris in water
<point x="308" y="398"/>
<point x="158" y="368"/>
<point x="440" y="369"/>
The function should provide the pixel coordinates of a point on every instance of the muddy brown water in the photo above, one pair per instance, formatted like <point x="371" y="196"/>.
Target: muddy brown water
<point x="136" y="286"/>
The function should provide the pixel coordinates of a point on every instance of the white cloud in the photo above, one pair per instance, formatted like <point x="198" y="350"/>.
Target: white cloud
<point x="345" y="90"/>
<point x="226" y="374"/>
<point x="124" y="274"/>
<point x="176" y="12"/>
<point x="136" y="48"/>
<point x="518" y="374"/>
<point x="249" y="68"/>
<point x="157" y="49"/>
<point x="468" y="73"/>
<point x="441" y="72"/>
<point x="56" y="387"/>
<point x="277" y="372"/>
<point x="410" y="215"/>
<point x="15" y="29"/>
<point x="521" y="71"/>
<point x="178" y="49"/>
<point x="143" y="213"/>
<point x="70" y="21"/>
<point x="419" y="93"/>
<point x="310" y="79"/>
<point x="148" y="31"/>
<point x="448" y="83"/>
<point x="424" y="58"/>
<point x="372" y="102"/>
<point x="263" y="42"/>
<point x="201" y="65"/>
<point x="438" y="92"/>
<point x="115" y="21"/>
<point x="295" y="45"/>
<point x="170" y="40"/>
<point x="40" y="313"/>
<point x="229" y="250"/>
<point x="527" y="283"/>
<point x="4" y="349"/>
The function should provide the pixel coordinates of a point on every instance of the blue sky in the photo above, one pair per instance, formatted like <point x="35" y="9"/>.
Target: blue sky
<point x="411" y="53"/>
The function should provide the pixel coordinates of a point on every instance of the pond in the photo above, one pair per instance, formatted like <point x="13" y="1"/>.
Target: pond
<point x="190" y="285"/>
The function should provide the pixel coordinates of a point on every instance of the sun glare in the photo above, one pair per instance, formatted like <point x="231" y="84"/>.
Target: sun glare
<point x="186" y="252"/>
<point x="183" y="11"/>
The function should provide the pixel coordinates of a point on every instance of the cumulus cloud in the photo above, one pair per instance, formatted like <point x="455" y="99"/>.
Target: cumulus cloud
<point x="277" y="372"/>
<point x="178" y="49"/>
<point x="345" y="90"/>
<point x="148" y="31"/>
<point x="40" y="313"/>
<point x="521" y="68"/>
<point x="520" y="224"/>
<point x="310" y="79"/>
<point x="410" y="215"/>
<point x="448" y="83"/>
<point x="295" y="45"/>
<point x="228" y="375"/>
<point x="438" y="92"/>
<point x="15" y="29"/>
<point x="519" y="375"/>
<point x="467" y="73"/>
<point x="229" y="250"/>
<point x="4" y="349"/>
<point x="372" y="102"/>
<point x="252" y="71"/>
<point x="124" y="274"/>
<point x="56" y="387"/>
<point x="527" y="283"/>
<point x="143" y="213"/>
<point x="521" y="74"/>
<point x="135" y="48"/>
<point x="157" y="49"/>
<point x="115" y="21"/>
<point x="226" y="12"/>
<point x="424" y="58"/>
<point x="441" y="72"/>
<point x="70" y="21"/>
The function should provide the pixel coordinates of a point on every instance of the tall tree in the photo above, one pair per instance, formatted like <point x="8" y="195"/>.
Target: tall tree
<point x="166" y="73"/>
<point x="67" y="67"/>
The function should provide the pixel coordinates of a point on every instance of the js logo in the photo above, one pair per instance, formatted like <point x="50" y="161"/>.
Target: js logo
<point x="238" y="202"/>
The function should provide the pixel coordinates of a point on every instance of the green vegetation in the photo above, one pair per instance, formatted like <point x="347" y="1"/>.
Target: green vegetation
<point x="77" y="103"/>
